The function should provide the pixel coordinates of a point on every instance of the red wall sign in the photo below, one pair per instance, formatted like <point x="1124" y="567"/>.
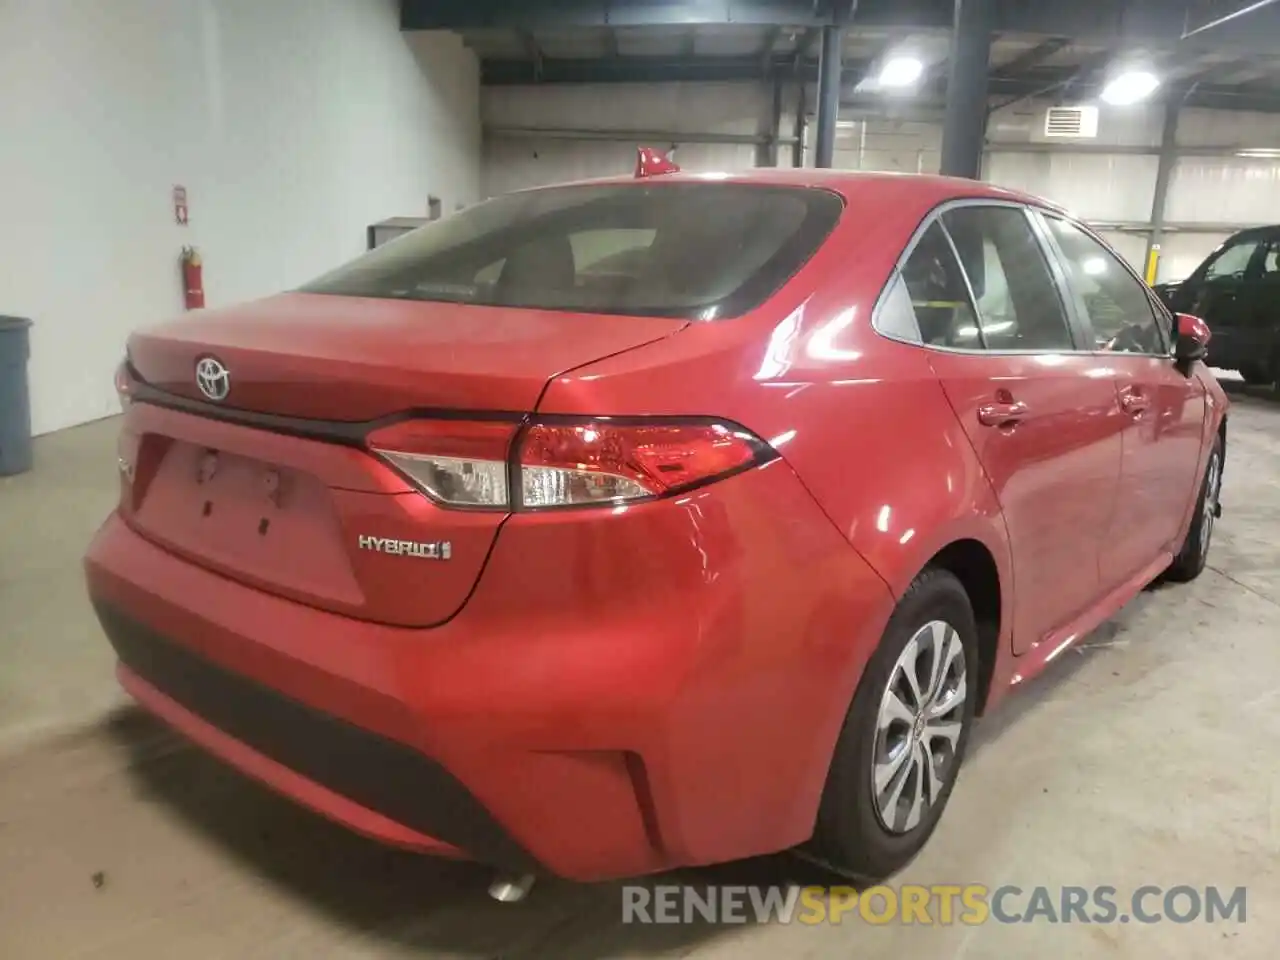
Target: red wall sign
<point x="180" y="205"/>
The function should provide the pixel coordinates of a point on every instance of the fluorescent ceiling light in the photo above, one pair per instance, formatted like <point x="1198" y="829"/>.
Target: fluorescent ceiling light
<point x="900" y="72"/>
<point x="1130" y="87"/>
<point x="1261" y="153"/>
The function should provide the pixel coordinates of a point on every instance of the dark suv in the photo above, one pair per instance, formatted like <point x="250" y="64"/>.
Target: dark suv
<point x="1237" y="290"/>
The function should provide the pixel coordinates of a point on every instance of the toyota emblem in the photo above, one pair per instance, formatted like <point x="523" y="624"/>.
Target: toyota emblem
<point x="213" y="379"/>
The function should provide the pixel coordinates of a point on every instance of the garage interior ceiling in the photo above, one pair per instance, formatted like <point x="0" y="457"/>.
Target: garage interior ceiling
<point x="1222" y="56"/>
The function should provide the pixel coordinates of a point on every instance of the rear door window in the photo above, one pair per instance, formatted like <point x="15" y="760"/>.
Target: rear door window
<point x="1018" y="301"/>
<point x="695" y="250"/>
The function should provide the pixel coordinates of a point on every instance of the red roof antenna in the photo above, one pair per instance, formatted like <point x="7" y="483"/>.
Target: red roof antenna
<point x="653" y="163"/>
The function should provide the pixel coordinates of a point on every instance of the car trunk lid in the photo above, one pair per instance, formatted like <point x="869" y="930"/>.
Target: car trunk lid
<point x="274" y="488"/>
<point x="317" y="356"/>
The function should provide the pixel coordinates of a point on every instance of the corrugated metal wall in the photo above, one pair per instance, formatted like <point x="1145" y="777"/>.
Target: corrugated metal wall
<point x="514" y="161"/>
<point x="1219" y="190"/>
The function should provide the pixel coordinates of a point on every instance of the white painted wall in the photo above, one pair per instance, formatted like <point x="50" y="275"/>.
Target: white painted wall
<point x="292" y="123"/>
<point x="1102" y="187"/>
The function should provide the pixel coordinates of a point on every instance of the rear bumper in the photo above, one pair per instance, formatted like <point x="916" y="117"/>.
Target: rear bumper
<point x="622" y="694"/>
<point x="377" y="785"/>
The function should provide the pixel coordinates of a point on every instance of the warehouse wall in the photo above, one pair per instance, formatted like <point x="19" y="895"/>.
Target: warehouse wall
<point x="1209" y="195"/>
<point x="513" y="162"/>
<point x="292" y="124"/>
<point x="1108" y="188"/>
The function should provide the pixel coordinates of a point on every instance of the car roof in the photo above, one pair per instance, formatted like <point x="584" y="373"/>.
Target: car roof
<point x="1248" y="232"/>
<point x="854" y="186"/>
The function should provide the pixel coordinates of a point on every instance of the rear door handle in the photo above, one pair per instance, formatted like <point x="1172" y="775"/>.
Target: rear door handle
<point x="1134" y="403"/>
<point x="1001" y="414"/>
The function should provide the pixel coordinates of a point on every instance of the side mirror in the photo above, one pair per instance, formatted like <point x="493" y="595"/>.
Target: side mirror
<point x="1192" y="342"/>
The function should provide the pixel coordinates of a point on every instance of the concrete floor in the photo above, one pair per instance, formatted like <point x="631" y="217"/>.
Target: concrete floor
<point x="1147" y="757"/>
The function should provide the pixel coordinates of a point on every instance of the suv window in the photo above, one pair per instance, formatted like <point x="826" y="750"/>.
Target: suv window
<point x="1232" y="261"/>
<point x="1271" y="258"/>
<point x="695" y="250"/>
<point x="1115" y="301"/>
<point x="938" y="294"/>
<point x="1019" y="304"/>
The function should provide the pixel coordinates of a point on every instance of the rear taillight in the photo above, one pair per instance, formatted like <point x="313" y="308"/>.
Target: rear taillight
<point x="564" y="463"/>
<point x="567" y="464"/>
<point x="124" y="384"/>
<point x="460" y="463"/>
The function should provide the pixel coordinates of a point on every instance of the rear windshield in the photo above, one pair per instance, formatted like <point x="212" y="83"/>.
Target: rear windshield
<point x="694" y="250"/>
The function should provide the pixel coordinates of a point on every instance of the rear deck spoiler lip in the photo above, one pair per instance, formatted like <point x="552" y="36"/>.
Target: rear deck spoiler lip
<point x="352" y="433"/>
<point x="349" y="433"/>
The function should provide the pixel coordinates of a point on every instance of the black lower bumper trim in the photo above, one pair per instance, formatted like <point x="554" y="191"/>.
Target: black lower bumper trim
<point x="380" y="774"/>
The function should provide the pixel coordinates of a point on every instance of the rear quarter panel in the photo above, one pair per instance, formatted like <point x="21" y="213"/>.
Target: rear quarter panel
<point x="861" y="419"/>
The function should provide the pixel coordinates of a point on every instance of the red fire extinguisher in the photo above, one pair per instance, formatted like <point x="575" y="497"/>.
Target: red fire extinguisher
<point x="192" y="279"/>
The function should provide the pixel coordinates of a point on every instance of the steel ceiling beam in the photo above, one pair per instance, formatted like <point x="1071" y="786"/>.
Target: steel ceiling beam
<point x="805" y="45"/>
<point x="656" y="70"/>
<point x="534" y="52"/>
<point x="634" y="136"/>
<point x="516" y="14"/>
<point x="1036" y="83"/>
<point x="766" y="46"/>
<point x="1033" y="57"/>
<point x="1149" y="23"/>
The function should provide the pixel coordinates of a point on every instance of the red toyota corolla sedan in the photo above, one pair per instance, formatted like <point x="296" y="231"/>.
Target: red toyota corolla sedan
<point x="606" y="528"/>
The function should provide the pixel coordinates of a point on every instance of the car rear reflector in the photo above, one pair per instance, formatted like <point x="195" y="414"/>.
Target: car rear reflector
<point x="459" y="463"/>
<point x="124" y="384"/>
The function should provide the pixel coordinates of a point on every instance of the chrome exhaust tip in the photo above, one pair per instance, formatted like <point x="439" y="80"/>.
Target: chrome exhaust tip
<point x="507" y="889"/>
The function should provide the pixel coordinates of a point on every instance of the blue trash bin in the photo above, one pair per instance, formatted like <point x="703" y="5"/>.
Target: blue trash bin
<point x="15" y="396"/>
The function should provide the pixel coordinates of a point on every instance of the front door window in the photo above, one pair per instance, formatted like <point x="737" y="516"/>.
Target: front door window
<point x="1115" y="302"/>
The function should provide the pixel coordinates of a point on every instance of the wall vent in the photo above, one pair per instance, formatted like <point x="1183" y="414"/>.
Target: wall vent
<point x="1071" y="122"/>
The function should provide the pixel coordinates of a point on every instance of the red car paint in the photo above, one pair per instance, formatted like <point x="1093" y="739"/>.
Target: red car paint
<point x="628" y="689"/>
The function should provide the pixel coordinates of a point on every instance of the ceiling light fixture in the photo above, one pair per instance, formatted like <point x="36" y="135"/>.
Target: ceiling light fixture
<point x="901" y="72"/>
<point x="1129" y="87"/>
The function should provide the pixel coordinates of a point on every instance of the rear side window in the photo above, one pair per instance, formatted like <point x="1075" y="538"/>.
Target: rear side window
<point x="1019" y="305"/>
<point x="694" y="250"/>
<point x="939" y="297"/>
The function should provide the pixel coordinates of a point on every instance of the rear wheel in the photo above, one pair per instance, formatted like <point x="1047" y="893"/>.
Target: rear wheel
<point x="1194" y="555"/>
<point x="905" y="735"/>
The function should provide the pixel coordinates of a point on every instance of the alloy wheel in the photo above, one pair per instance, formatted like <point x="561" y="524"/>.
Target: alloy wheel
<point x="1212" y="490"/>
<point x="918" y="727"/>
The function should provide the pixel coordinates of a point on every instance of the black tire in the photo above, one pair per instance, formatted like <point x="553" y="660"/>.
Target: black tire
<point x="1194" y="555"/>
<point x="850" y="835"/>
<point x="1257" y="375"/>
